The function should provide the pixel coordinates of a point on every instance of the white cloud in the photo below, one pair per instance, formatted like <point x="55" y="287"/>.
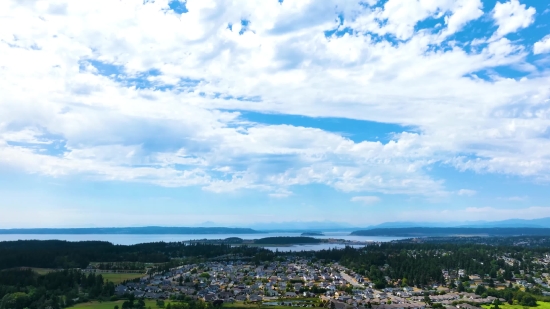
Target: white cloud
<point x="366" y="199"/>
<point x="511" y="16"/>
<point x="514" y="198"/>
<point x="464" y="12"/>
<point x="542" y="46"/>
<point x="184" y="136"/>
<point x="466" y="192"/>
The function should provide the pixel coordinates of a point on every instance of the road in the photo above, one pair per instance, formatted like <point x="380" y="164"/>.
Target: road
<point x="351" y="280"/>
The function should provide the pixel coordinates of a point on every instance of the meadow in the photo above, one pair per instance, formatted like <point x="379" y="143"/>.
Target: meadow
<point x="111" y="304"/>
<point x="120" y="277"/>
<point x="540" y="305"/>
<point x="153" y="305"/>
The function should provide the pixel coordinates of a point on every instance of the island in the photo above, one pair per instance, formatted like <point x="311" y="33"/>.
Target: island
<point x="277" y="241"/>
<point x="312" y="234"/>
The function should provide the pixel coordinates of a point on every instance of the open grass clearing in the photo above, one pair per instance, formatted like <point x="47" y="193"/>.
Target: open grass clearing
<point x="540" y="305"/>
<point x="120" y="277"/>
<point x="112" y="304"/>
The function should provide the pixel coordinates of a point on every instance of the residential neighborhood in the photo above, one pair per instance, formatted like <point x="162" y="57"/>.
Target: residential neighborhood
<point x="293" y="279"/>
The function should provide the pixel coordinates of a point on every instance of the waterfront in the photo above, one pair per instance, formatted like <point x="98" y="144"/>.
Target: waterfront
<point x="131" y="239"/>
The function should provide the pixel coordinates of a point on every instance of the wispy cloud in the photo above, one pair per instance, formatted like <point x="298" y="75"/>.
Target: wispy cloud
<point x="367" y="199"/>
<point x="514" y="198"/>
<point x="466" y="192"/>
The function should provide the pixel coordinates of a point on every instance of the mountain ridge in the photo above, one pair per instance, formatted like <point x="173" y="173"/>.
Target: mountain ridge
<point x="159" y="230"/>
<point x="453" y="232"/>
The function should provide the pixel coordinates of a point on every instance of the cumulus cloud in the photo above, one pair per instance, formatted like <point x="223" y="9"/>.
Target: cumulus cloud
<point x="366" y="199"/>
<point x="133" y="91"/>
<point x="511" y="16"/>
<point x="542" y="46"/>
<point x="463" y="12"/>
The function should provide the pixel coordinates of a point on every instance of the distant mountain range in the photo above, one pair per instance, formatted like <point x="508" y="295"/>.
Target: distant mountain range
<point x="454" y="231"/>
<point x="327" y="226"/>
<point x="301" y="226"/>
<point x="289" y="227"/>
<point x="535" y="223"/>
<point x="134" y="230"/>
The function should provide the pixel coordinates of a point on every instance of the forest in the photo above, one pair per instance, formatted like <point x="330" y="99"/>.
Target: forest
<point x="422" y="264"/>
<point x="65" y="255"/>
<point x="26" y="289"/>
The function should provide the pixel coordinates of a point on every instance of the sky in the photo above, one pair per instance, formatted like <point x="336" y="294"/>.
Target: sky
<point x="176" y="113"/>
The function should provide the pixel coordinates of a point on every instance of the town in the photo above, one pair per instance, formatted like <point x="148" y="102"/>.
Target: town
<point x="394" y="275"/>
<point x="294" y="280"/>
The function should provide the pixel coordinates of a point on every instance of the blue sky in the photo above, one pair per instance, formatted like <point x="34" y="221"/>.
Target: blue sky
<point x="182" y="112"/>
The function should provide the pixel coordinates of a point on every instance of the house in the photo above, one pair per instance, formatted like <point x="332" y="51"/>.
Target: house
<point x="225" y="295"/>
<point x="340" y="305"/>
<point x="151" y="295"/>
<point x="271" y="292"/>
<point x="241" y="297"/>
<point x="466" y="306"/>
<point x="255" y="298"/>
<point x="121" y="290"/>
<point x="290" y="294"/>
<point x="209" y="297"/>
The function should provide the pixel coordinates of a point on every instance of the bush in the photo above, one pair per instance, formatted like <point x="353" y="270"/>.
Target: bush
<point x="529" y="301"/>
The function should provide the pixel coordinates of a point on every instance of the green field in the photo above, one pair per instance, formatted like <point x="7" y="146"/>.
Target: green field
<point x="540" y="305"/>
<point x="42" y="271"/>
<point x="119" y="277"/>
<point x="153" y="305"/>
<point x="112" y="304"/>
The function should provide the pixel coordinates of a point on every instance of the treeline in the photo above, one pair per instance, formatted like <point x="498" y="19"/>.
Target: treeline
<point x="65" y="255"/>
<point x="289" y="240"/>
<point x="526" y="298"/>
<point x="422" y="264"/>
<point x="522" y="241"/>
<point x="121" y="266"/>
<point x="26" y="289"/>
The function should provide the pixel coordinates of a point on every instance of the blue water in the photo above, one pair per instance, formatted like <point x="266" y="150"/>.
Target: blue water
<point x="131" y="239"/>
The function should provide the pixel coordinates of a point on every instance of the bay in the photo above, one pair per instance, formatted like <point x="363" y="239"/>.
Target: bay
<point x="132" y="239"/>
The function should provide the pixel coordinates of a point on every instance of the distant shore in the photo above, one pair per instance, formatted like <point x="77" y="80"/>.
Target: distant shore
<point x="156" y="230"/>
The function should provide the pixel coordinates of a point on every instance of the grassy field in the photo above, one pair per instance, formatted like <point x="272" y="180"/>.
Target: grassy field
<point x="153" y="305"/>
<point x="540" y="305"/>
<point x="119" y="277"/>
<point x="42" y="271"/>
<point x="112" y="304"/>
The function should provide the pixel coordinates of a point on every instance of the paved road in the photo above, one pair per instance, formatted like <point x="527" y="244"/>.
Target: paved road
<point x="351" y="280"/>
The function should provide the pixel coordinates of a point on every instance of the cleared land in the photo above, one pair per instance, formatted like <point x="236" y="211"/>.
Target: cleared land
<point x="112" y="304"/>
<point x="42" y="271"/>
<point x="120" y="277"/>
<point x="153" y="305"/>
<point x="540" y="305"/>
